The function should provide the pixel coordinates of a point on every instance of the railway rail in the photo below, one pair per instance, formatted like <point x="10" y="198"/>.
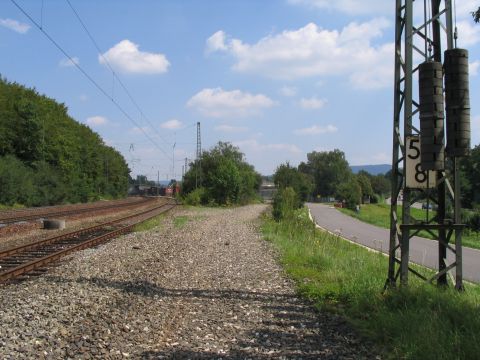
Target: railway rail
<point x="27" y="259"/>
<point x="15" y="216"/>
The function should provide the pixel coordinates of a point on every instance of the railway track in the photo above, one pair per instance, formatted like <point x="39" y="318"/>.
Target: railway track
<point x="34" y="257"/>
<point x="14" y="216"/>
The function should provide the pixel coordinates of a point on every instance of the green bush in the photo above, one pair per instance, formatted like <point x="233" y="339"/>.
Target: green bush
<point x="195" y="198"/>
<point x="285" y="202"/>
<point x="225" y="176"/>
<point x="350" y="192"/>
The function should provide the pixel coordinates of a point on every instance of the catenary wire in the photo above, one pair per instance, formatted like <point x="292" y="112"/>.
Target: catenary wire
<point x="115" y="75"/>
<point x="117" y="105"/>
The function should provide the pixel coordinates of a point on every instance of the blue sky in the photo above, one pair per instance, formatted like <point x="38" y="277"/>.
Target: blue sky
<point x="278" y="79"/>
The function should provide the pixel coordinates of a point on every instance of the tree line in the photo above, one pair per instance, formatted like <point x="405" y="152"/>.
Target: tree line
<point x="221" y="177"/>
<point x="327" y="175"/>
<point x="46" y="157"/>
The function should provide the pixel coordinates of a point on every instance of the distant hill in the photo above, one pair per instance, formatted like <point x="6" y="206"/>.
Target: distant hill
<point x="371" y="169"/>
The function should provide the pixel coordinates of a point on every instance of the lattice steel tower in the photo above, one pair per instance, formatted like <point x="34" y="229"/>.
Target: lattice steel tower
<point x="422" y="168"/>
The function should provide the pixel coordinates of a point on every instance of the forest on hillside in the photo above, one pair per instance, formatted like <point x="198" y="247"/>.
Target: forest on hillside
<point x="46" y="157"/>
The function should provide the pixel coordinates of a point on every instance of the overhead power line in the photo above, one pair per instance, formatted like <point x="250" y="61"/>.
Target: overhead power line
<point x="90" y="78"/>
<point x="115" y="76"/>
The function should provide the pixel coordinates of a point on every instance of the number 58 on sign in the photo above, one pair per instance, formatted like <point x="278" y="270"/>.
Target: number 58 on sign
<point x="415" y="177"/>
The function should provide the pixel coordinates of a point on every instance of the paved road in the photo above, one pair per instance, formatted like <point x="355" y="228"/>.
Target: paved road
<point x="422" y="251"/>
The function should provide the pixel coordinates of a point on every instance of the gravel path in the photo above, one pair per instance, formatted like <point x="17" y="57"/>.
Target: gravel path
<point x="203" y="286"/>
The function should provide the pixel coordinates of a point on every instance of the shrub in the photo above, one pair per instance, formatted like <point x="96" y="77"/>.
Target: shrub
<point x="350" y="192"/>
<point x="285" y="202"/>
<point x="195" y="197"/>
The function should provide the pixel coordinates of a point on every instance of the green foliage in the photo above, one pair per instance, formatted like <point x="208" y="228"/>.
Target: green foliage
<point x="470" y="178"/>
<point x="365" y="186"/>
<point x="381" y="185"/>
<point x="350" y="192"/>
<point x="46" y="157"/>
<point x="224" y="176"/>
<point x="289" y="176"/>
<point x="420" y="322"/>
<point x="476" y="15"/>
<point x="195" y="197"/>
<point x="329" y="169"/>
<point x="285" y="202"/>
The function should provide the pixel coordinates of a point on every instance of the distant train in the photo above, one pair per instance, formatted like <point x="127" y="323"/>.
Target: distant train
<point x="153" y="190"/>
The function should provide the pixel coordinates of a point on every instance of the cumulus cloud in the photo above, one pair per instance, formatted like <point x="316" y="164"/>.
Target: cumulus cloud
<point x="216" y="42"/>
<point x="312" y="103"/>
<point x="312" y="51"/>
<point x="316" y="130"/>
<point x="14" y="25"/>
<point x="351" y="7"/>
<point x="288" y="91"/>
<point x="172" y="124"/>
<point x="473" y="67"/>
<point x="230" y="129"/>
<point x="126" y="57"/>
<point x="97" y="120"/>
<point x="69" y="62"/>
<point x="468" y="33"/>
<point x="218" y="103"/>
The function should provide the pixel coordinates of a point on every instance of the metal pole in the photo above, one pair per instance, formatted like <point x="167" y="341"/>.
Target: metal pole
<point x="441" y="211"/>
<point x="407" y="131"/>
<point x="396" y="143"/>
<point x="458" y="232"/>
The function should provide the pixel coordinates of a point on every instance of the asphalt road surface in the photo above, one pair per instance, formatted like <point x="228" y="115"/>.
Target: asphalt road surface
<point x="422" y="251"/>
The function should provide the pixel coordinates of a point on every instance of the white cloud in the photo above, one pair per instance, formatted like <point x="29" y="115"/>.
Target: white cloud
<point x="288" y="91"/>
<point x="230" y="129"/>
<point x="473" y="67"/>
<point x="97" y="120"/>
<point x="312" y="103"/>
<point x="69" y="62"/>
<point x="172" y="124"/>
<point x="316" y="130"/>
<point x="216" y="42"/>
<point x="218" y="103"/>
<point x="126" y="57"/>
<point x="14" y="25"/>
<point x="464" y="8"/>
<point x="351" y="7"/>
<point x="468" y="33"/>
<point x="255" y="146"/>
<point x="312" y="51"/>
<point x="83" y="97"/>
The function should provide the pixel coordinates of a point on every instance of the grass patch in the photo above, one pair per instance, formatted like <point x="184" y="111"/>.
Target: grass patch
<point x="421" y="322"/>
<point x="379" y="215"/>
<point x="180" y="221"/>
<point x="150" y="223"/>
<point x="11" y="207"/>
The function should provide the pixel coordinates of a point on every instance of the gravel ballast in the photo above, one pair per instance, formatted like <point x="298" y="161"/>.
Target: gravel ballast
<point x="204" y="286"/>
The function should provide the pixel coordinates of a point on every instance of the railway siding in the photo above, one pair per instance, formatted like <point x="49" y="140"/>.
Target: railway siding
<point x="208" y="288"/>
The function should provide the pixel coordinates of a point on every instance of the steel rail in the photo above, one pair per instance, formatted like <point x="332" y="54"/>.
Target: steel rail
<point x="41" y="262"/>
<point x="30" y="246"/>
<point x="43" y="212"/>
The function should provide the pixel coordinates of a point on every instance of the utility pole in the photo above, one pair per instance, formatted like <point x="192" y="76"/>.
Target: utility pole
<point x="158" y="181"/>
<point x="421" y="166"/>
<point x="199" y="155"/>
<point x="173" y="157"/>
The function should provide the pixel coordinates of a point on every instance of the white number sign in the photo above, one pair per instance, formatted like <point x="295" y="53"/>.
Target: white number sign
<point x="415" y="177"/>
